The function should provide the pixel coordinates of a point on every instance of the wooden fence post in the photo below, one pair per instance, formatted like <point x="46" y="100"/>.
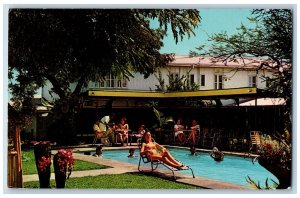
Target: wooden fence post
<point x="14" y="163"/>
<point x="12" y="169"/>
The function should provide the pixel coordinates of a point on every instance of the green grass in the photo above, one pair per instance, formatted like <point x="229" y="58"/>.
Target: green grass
<point x="29" y="167"/>
<point x="120" y="181"/>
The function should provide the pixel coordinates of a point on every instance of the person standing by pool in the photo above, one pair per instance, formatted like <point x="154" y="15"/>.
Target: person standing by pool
<point x="154" y="151"/>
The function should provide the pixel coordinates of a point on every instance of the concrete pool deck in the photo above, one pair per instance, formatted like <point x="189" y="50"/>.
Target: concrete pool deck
<point x="118" y="167"/>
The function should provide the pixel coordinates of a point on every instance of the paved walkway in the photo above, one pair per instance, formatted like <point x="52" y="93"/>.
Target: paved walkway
<point x="118" y="167"/>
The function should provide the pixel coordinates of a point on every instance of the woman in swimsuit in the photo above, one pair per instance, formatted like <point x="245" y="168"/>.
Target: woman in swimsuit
<point x="123" y="127"/>
<point x="154" y="151"/>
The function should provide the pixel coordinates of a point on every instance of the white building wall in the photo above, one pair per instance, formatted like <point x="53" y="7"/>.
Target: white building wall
<point x="237" y="79"/>
<point x="138" y="82"/>
<point x="241" y="79"/>
<point x="232" y="79"/>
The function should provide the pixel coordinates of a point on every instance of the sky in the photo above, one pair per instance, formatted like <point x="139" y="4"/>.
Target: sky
<point x="213" y="21"/>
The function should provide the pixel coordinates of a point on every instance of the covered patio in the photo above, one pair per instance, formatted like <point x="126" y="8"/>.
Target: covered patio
<point x="224" y="120"/>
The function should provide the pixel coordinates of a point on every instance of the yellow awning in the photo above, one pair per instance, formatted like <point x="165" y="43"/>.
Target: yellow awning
<point x="201" y="93"/>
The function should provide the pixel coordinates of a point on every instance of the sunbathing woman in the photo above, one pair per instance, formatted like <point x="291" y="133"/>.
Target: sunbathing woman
<point x="154" y="151"/>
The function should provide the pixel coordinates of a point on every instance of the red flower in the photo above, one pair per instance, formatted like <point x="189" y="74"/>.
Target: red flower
<point x="268" y="146"/>
<point x="43" y="163"/>
<point x="65" y="160"/>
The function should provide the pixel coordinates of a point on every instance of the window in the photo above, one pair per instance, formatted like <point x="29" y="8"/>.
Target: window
<point x="219" y="82"/>
<point x="111" y="82"/>
<point x="202" y="83"/>
<point x="192" y="79"/>
<point x="124" y="83"/>
<point x="121" y="82"/>
<point x="102" y="83"/>
<point x="268" y="82"/>
<point x="252" y="81"/>
<point x="175" y="75"/>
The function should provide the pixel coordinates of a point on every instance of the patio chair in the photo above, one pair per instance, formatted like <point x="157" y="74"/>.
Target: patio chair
<point x="116" y="134"/>
<point x="97" y="136"/>
<point x="154" y="163"/>
<point x="216" y="137"/>
<point x="102" y="137"/>
<point x="254" y="140"/>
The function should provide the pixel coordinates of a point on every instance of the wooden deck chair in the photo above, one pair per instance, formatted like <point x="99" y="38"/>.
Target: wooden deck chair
<point x="254" y="140"/>
<point x="154" y="163"/>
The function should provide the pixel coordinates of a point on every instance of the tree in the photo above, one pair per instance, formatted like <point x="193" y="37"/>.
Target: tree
<point x="65" y="46"/>
<point x="269" y="41"/>
<point x="176" y="83"/>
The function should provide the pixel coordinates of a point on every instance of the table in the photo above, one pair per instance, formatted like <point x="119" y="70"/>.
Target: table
<point x="136" y="135"/>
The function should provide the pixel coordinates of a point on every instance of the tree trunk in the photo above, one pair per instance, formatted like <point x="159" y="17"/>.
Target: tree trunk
<point x="282" y="174"/>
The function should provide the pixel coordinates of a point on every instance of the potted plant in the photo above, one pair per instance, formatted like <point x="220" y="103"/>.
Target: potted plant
<point x="63" y="161"/>
<point x="275" y="156"/>
<point x="42" y="153"/>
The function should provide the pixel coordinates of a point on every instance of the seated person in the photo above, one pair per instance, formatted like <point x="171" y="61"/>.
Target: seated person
<point x="194" y="129"/>
<point x="123" y="129"/>
<point x="154" y="151"/>
<point x="107" y="127"/>
<point x="98" y="151"/>
<point x="216" y="154"/>
<point x="193" y="151"/>
<point x="97" y="130"/>
<point x="178" y="127"/>
<point x="141" y="131"/>
<point x="131" y="153"/>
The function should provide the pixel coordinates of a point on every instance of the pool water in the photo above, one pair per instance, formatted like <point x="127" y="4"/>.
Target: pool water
<point x="232" y="169"/>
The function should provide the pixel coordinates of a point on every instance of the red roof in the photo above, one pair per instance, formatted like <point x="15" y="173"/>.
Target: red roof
<point x="186" y="61"/>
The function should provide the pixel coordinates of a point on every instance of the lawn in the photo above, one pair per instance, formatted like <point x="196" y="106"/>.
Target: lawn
<point x="29" y="167"/>
<point x="120" y="181"/>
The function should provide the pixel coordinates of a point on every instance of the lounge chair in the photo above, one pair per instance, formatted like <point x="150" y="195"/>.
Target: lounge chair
<point x="254" y="140"/>
<point x="155" y="163"/>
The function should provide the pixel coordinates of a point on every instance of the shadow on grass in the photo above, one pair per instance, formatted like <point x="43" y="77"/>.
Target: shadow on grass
<point x="143" y="180"/>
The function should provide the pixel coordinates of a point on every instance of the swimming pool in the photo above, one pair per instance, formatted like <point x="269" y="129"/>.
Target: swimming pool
<point x="232" y="169"/>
